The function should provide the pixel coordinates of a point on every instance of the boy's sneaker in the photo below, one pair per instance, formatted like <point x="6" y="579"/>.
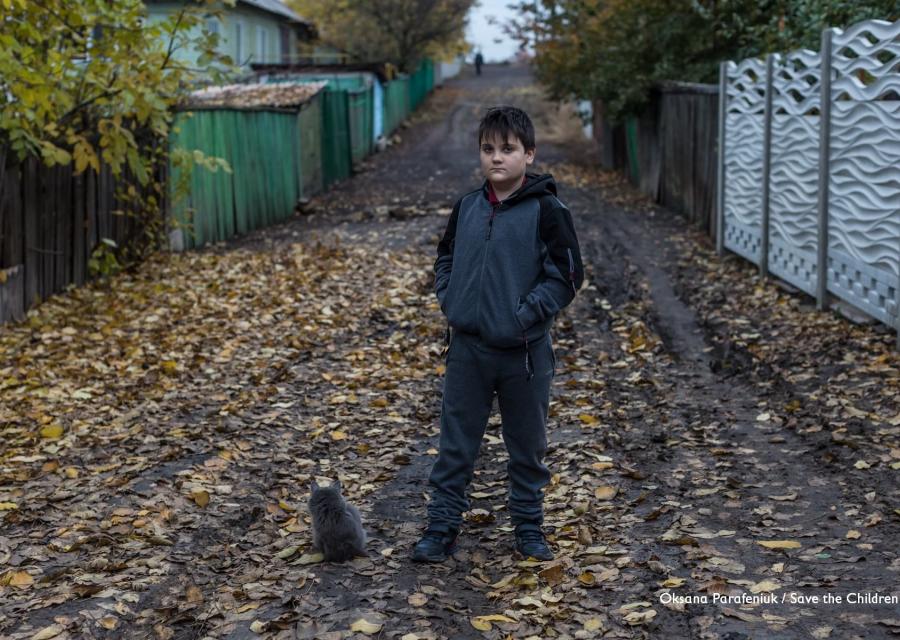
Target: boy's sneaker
<point x="435" y="546"/>
<point x="530" y="542"/>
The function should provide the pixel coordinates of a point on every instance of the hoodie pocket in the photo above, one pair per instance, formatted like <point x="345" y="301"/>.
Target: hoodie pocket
<point x="498" y="324"/>
<point x="442" y="298"/>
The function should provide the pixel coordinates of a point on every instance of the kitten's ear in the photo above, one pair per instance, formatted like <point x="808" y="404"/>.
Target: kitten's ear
<point x="314" y="486"/>
<point x="337" y="484"/>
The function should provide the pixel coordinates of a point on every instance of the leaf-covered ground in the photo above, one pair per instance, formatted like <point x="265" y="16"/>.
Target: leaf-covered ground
<point x="711" y="434"/>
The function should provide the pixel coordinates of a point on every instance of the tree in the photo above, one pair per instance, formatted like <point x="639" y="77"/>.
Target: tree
<point x="396" y="31"/>
<point x="616" y="50"/>
<point x="93" y="80"/>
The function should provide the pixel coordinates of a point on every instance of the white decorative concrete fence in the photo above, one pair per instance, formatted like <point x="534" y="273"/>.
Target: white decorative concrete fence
<point x="809" y="167"/>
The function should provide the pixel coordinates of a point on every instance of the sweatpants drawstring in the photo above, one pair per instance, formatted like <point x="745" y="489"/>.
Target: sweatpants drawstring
<point x="529" y="369"/>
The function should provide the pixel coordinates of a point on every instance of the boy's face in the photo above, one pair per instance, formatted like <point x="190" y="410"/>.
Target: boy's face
<point x="504" y="163"/>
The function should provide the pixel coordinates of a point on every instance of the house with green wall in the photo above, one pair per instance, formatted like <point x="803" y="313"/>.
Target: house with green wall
<point x="251" y="31"/>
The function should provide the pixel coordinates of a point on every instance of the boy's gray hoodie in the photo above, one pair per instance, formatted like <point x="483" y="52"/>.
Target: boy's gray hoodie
<point x="504" y="271"/>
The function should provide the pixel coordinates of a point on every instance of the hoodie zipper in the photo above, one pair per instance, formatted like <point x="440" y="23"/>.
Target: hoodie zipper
<point x="487" y="238"/>
<point x="491" y="221"/>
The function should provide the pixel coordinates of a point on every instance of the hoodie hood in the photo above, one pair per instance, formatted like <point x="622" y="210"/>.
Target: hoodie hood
<point x="536" y="185"/>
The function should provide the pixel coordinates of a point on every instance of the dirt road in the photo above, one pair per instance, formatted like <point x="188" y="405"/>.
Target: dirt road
<point x="692" y="467"/>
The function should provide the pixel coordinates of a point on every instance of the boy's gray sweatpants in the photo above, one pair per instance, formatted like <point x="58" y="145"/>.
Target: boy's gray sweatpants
<point x="474" y="373"/>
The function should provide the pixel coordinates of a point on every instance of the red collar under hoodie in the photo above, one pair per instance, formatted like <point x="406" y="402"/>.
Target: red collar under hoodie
<point x="492" y="197"/>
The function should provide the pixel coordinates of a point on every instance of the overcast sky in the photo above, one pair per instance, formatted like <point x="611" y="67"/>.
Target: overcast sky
<point x="482" y="35"/>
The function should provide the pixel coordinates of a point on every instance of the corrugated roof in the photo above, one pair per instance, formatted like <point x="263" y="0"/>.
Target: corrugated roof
<point x="276" y="7"/>
<point x="255" y="96"/>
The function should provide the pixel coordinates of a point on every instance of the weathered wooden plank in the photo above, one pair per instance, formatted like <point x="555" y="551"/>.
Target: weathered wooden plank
<point x="5" y="213"/>
<point x="91" y="210"/>
<point x="44" y="244"/>
<point x="10" y="215"/>
<point x="12" y="295"/>
<point x="689" y="119"/>
<point x="79" y="229"/>
<point x="67" y="227"/>
<point x="30" y="217"/>
<point x="103" y="205"/>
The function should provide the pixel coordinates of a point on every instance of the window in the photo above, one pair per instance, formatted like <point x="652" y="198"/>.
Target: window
<point x="238" y="44"/>
<point x="285" y="35"/>
<point x="262" y="50"/>
<point x="212" y="25"/>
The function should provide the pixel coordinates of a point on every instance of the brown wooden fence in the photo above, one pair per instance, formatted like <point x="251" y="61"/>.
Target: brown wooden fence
<point x="50" y="222"/>
<point x="669" y="150"/>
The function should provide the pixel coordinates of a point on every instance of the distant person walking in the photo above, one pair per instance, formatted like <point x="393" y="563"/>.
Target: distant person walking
<point x="479" y="60"/>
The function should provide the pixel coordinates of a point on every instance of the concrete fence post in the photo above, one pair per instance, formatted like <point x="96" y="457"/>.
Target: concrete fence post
<point x="824" y="168"/>
<point x="766" y="170"/>
<point x="720" y="174"/>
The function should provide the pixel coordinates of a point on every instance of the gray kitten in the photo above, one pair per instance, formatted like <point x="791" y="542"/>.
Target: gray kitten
<point x="337" y="528"/>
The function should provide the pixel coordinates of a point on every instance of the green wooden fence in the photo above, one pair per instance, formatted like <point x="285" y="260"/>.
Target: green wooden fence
<point x="336" y="151"/>
<point x="420" y="83"/>
<point x="396" y="103"/>
<point x="361" y="114"/>
<point x="278" y="156"/>
<point x="263" y="148"/>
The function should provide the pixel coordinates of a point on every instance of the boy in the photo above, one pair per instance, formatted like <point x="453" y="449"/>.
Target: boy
<point x="515" y="262"/>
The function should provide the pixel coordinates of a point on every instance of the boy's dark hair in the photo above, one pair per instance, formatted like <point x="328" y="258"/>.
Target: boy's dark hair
<point x="500" y="121"/>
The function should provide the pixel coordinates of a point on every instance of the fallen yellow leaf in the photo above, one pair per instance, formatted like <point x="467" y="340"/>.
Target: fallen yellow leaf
<point x="47" y="632"/>
<point x="364" y="626"/>
<point x="310" y="558"/>
<point x="21" y="579"/>
<point x="417" y="599"/>
<point x="587" y="578"/>
<point x="287" y="552"/>
<point x="201" y="497"/>
<point x="779" y="544"/>
<point x="765" y="585"/>
<point x="593" y="624"/>
<point x="169" y="366"/>
<point x="109" y="622"/>
<point x="640" y="617"/>
<point x="672" y="582"/>
<point x="257" y="626"/>
<point x="483" y="623"/>
<point x="52" y="431"/>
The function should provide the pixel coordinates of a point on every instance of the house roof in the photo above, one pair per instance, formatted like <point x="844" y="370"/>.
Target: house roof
<point x="254" y="96"/>
<point x="278" y="8"/>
